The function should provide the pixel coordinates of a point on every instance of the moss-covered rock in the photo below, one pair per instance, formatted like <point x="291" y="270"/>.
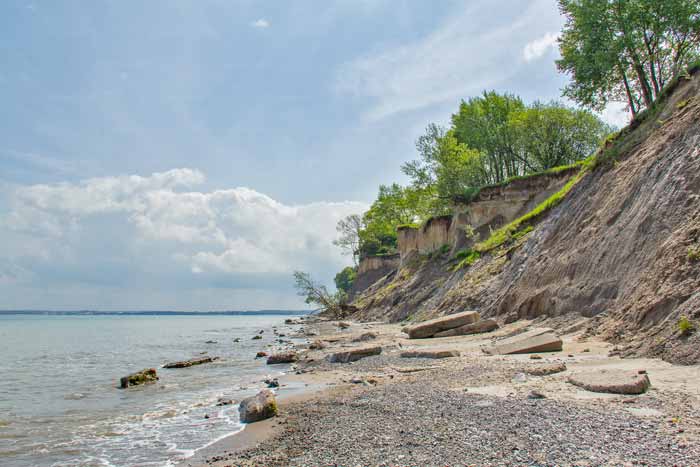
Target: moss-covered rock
<point x="148" y="375"/>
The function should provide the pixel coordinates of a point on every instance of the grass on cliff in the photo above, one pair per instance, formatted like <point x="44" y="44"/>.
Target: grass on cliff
<point x="523" y="225"/>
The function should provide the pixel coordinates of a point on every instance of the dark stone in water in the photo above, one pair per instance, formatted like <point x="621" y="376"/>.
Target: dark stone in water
<point x="191" y="362"/>
<point x="148" y="375"/>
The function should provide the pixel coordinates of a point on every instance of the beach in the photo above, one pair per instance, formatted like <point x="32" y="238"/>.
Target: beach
<point x="472" y="409"/>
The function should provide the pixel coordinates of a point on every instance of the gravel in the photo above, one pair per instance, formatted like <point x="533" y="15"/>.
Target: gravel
<point x="421" y="423"/>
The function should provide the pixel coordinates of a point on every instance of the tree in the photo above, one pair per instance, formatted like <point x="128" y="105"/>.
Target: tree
<point x="482" y="124"/>
<point x="553" y="135"/>
<point x="446" y="167"/>
<point x="349" y="229"/>
<point x="345" y="278"/>
<point x="626" y="50"/>
<point x="317" y="294"/>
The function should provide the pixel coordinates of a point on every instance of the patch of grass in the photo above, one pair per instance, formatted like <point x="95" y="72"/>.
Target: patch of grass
<point x="466" y="258"/>
<point x="472" y="194"/>
<point x="694" y="253"/>
<point x="522" y="226"/>
<point x="682" y="104"/>
<point x="685" y="326"/>
<point x="444" y="249"/>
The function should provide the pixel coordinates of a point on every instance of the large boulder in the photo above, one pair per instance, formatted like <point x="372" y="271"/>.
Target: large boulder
<point x="535" y="340"/>
<point x="613" y="382"/>
<point x="190" y="362"/>
<point x="259" y="407"/>
<point x="484" y="325"/>
<point x="352" y="355"/>
<point x="282" y="357"/>
<point x="430" y="353"/>
<point x="148" y="375"/>
<point x="431" y="327"/>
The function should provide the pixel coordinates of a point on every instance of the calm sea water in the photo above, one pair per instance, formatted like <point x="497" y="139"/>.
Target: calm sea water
<point x="59" y="402"/>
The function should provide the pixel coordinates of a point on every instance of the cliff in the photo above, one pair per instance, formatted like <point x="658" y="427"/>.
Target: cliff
<point x="613" y="248"/>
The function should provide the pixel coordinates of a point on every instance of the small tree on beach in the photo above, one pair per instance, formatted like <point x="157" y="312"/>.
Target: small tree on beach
<point x="317" y="294"/>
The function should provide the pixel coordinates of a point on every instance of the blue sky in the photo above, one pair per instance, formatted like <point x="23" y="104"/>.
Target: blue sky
<point x="191" y="154"/>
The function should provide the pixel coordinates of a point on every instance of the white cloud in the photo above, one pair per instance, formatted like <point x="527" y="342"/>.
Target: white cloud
<point x="539" y="47"/>
<point x="475" y="49"/>
<point x="157" y="231"/>
<point x="261" y="23"/>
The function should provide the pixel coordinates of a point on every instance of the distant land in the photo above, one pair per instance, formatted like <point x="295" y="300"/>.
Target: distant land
<point x="154" y="313"/>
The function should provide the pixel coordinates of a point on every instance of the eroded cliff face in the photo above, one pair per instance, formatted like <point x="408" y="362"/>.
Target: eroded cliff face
<point x="616" y="253"/>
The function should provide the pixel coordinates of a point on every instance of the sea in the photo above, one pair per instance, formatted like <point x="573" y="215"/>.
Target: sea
<point x="60" y="405"/>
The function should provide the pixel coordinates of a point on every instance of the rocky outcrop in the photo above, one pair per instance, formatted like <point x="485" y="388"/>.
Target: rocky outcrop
<point x="431" y="327"/>
<point x="148" y="375"/>
<point x="425" y="239"/>
<point x="282" y="357"/>
<point x="484" y="325"/>
<point x="535" y="340"/>
<point x="190" y="362"/>
<point x="370" y="270"/>
<point x="430" y="353"/>
<point x="355" y="354"/>
<point x="259" y="407"/>
<point x="613" y="382"/>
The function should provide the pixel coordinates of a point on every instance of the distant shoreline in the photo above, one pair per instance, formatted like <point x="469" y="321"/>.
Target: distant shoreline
<point x="153" y="313"/>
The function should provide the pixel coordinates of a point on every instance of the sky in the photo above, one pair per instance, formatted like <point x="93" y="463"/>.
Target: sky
<point x="190" y="155"/>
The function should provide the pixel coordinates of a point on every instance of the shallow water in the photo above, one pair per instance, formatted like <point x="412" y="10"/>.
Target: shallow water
<point x="59" y="402"/>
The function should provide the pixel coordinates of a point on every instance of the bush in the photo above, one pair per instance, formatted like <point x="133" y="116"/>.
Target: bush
<point x="685" y="326"/>
<point x="694" y="253"/>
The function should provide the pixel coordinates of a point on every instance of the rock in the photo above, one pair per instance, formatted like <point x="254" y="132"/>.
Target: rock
<point x="484" y="325"/>
<point x="272" y="382"/>
<point x="258" y="407"/>
<point x="211" y="342"/>
<point x="261" y="354"/>
<point x="613" y="382"/>
<point x="257" y="336"/>
<point x="536" y="340"/>
<point x="148" y="375"/>
<point x="317" y="345"/>
<point x="343" y="324"/>
<point x="283" y="357"/>
<point x="223" y="401"/>
<point x="237" y="339"/>
<point x="430" y="354"/>
<point x="354" y="354"/>
<point x="535" y="357"/>
<point x="431" y="327"/>
<point x="536" y="395"/>
<point x="190" y="362"/>
<point x="544" y="370"/>
<point x="368" y="336"/>
<point x="261" y="331"/>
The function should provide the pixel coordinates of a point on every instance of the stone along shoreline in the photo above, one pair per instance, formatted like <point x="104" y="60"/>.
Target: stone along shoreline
<point x="458" y="401"/>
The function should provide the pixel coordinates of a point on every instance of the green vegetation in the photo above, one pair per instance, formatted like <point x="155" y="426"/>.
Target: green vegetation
<point x="694" y="253"/>
<point x="685" y="326"/>
<point x="345" y="278"/>
<point x="626" y="50"/>
<point x="519" y="227"/>
<point x="466" y="257"/>
<point x="317" y="294"/>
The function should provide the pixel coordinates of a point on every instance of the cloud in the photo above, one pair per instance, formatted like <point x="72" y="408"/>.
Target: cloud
<point x="473" y="50"/>
<point x="261" y="23"/>
<point x="158" y="232"/>
<point x="539" y="47"/>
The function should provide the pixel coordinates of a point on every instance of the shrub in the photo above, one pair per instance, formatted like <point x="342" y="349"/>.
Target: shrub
<point x="694" y="253"/>
<point x="685" y="326"/>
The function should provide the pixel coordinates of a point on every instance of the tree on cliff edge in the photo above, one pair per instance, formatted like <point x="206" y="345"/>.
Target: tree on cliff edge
<point x="626" y="50"/>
